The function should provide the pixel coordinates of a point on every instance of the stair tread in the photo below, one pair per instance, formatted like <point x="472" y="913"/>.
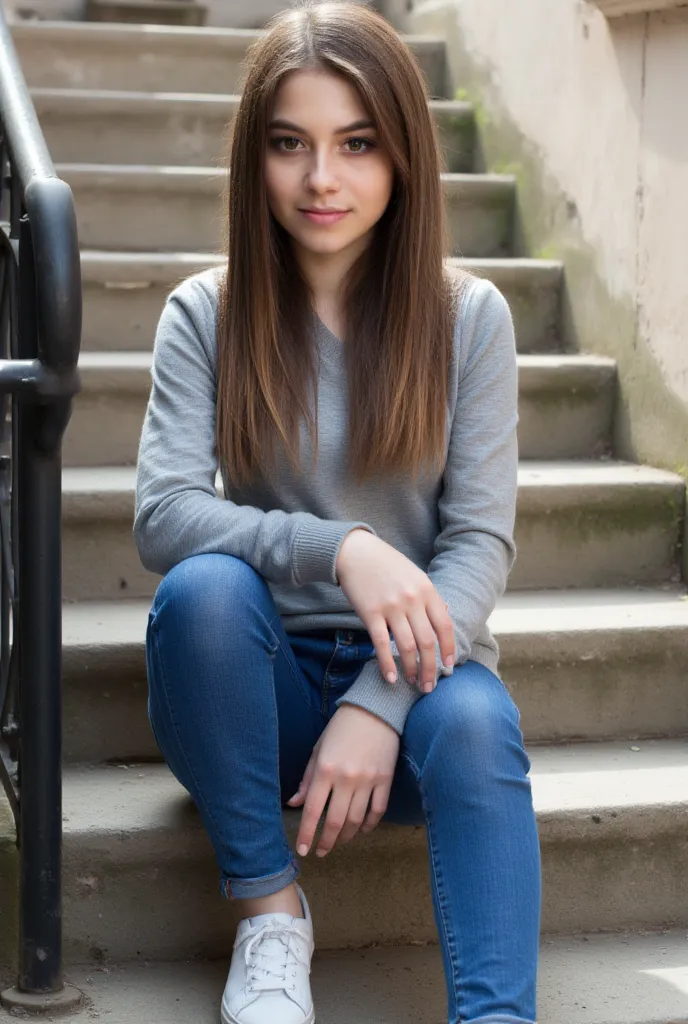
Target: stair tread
<point x="124" y="268"/>
<point x="137" y="361"/>
<point x="532" y="475"/>
<point x="573" y="784"/>
<point x="178" y="176"/>
<point x="583" y="979"/>
<point x="124" y="100"/>
<point x="158" y="35"/>
<point x="98" y="624"/>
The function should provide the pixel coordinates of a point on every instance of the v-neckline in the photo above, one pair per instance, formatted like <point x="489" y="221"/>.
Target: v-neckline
<point x="328" y="341"/>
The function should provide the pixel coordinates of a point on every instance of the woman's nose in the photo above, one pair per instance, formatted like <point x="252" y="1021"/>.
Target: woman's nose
<point x="321" y="172"/>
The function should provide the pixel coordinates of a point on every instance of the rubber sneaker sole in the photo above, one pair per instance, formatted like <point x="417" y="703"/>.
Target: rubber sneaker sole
<point x="228" y="1018"/>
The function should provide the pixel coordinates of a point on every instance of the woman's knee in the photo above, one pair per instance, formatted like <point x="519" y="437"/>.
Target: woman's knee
<point x="206" y="587"/>
<point x="469" y="715"/>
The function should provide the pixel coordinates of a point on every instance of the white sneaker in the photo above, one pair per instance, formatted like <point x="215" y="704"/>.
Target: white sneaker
<point x="269" y="979"/>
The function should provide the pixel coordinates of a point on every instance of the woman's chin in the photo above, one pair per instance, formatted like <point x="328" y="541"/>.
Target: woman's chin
<point x="326" y="245"/>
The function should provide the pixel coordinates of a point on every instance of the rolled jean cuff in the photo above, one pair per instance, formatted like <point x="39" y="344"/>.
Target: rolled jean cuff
<point x="251" y="888"/>
<point x="501" y="1018"/>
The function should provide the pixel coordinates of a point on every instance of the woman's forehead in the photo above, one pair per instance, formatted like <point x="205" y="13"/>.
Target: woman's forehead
<point x="321" y="91"/>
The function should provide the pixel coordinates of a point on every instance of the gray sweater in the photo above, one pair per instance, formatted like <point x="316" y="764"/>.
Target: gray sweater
<point x="457" y="527"/>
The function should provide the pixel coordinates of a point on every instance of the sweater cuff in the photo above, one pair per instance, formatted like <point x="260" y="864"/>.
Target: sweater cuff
<point x="316" y="547"/>
<point x="389" y="701"/>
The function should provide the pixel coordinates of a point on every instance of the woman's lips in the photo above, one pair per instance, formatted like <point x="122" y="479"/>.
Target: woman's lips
<point x="324" y="218"/>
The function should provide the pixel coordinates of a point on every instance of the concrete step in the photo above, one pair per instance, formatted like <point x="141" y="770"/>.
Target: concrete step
<point x="124" y="293"/>
<point x="579" y="524"/>
<point x="166" y="208"/>
<point x="582" y="979"/>
<point x="613" y="827"/>
<point x="566" y="407"/>
<point x="580" y="664"/>
<point x="147" y="12"/>
<point x="91" y="56"/>
<point x="107" y="126"/>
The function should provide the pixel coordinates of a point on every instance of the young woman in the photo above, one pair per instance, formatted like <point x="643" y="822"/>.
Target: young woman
<point x="319" y="639"/>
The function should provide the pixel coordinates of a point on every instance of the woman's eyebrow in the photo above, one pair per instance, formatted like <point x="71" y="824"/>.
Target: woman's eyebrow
<point x="355" y="126"/>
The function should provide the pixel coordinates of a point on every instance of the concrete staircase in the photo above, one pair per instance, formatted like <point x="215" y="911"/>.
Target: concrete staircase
<point x="135" y="118"/>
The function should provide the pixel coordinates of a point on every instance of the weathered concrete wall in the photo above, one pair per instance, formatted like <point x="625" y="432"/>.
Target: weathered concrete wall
<point x="586" y="113"/>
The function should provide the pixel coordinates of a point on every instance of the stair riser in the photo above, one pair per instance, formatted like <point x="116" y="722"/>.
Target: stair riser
<point x="123" y="315"/>
<point x="184" y="138"/>
<point x="191" y="219"/>
<point x="177" y="13"/>
<point x="239" y="14"/>
<point x="608" y="684"/>
<point x="575" y="426"/>
<point x="630" y="537"/>
<point x="625" y="872"/>
<point x="565" y="425"/>
<point x="159" y="62"/>
<point x="625" y="685"/>
<point x="586" y="544"/>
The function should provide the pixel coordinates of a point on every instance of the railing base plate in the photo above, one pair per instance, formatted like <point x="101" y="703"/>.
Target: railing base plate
<point x="68" y="998"/>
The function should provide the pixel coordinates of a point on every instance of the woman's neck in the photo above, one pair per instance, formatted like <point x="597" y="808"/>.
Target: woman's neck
<point x="325" y="274"/>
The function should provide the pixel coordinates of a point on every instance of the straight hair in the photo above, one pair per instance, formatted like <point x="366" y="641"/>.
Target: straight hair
<point x="399" y="299"/>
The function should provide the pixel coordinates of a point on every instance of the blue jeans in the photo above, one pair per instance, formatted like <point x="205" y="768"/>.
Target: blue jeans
<point x="237" y="705"/>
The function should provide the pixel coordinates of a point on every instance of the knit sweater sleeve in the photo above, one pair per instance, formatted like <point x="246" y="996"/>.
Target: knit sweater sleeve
<point x="474" y="550"/>
<point x="178" y="511"/>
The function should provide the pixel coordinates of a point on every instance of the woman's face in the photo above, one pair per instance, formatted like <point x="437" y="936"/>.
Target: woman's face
<point x="312" y="162"/>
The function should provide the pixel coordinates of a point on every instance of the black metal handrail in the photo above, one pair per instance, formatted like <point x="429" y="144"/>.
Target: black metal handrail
<point x="40" y="334"/>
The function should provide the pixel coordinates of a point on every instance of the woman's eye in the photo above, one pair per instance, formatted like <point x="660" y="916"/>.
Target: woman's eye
<point x="284" y="138"/>
<point x="368" y="144"/>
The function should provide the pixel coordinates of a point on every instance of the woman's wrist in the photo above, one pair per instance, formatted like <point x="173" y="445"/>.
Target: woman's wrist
<point x="339" y="561"/>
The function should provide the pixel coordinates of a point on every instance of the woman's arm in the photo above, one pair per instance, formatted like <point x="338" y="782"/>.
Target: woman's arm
<point x="178" y="511"/>
<point x="474" y="550"/>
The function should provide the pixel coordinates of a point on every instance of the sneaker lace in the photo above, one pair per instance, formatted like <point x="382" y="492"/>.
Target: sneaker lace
<point x="274" y="966"/>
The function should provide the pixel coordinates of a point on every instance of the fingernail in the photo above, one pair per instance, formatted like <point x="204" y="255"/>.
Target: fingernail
<point x="427" y="686"/>
<point x="448" y="661"/>
<point x="320" y="853"/>
<point x="413" y="680"/>
<point x="391" y="677"/>
<point x="302" y="850"/>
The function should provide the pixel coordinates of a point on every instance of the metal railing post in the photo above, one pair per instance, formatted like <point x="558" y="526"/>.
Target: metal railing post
<point x="40" y="639"/>
<point x="40" y="333"/>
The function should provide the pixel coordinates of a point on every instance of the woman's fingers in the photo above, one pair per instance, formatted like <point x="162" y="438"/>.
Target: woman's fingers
<point x="417" y="629"/>
<point x="426" y="639"/>
<point x="406" y="644"/>
<point x="356" y="816"/>
<point x="337" y="814"/>
<point x="316" y="799"/>
<point x="378" y="806"/>
<point x="379" y="634"/>
<point x="417" y="643"/>
<point x="440" y="620"/>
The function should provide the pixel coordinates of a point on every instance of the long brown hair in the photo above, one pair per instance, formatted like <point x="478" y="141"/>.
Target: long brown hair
<point x="399" y="300"/>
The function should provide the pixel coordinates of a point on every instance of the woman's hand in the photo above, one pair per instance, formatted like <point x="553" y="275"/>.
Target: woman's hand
<point x="354" y="760"/>
<point x="385" y="588"/>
